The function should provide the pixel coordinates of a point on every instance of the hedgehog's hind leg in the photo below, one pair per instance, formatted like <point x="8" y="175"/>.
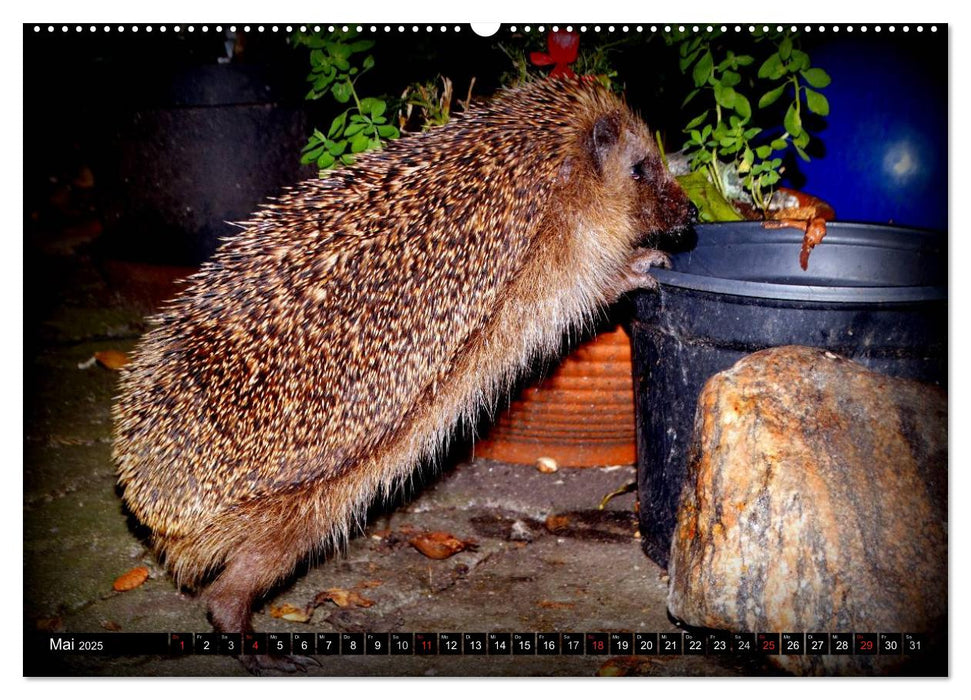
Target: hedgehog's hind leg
<point x="231" y="596"/>
<point x="249" y="574"/>
<point x="266" y="555"/>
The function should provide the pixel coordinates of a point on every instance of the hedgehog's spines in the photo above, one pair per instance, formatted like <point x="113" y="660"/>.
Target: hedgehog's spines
<point x="331" y="347"/>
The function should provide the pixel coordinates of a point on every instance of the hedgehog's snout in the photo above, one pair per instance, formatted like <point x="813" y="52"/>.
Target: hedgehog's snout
<point x="672" y="217"/>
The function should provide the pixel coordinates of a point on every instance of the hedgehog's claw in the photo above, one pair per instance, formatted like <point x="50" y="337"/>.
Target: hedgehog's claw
<point x="258" y="664"/>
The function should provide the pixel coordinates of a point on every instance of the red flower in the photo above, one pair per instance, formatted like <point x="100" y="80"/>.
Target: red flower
<point x="563" y="51"/>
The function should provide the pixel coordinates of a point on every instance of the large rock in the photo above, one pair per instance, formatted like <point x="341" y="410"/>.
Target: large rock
<point x="816" y="501"/>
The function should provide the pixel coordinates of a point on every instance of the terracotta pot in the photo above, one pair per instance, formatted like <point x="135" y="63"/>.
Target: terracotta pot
<point x="582" y="415"/>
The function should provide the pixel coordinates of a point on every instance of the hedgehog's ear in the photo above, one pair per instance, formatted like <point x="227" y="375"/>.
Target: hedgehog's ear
<point x="603" y="137"/>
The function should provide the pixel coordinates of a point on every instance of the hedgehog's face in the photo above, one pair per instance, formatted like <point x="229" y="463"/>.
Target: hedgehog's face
<point x="659" y="213"/>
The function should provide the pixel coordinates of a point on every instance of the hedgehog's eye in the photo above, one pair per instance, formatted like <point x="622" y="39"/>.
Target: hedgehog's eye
<point x="638" y="171"/>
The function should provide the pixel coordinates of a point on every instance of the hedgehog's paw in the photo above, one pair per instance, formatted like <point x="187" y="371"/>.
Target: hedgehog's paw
<point x="259" y="664"/>
<point x="646" y="258"/>
<point x="638" y="273"/>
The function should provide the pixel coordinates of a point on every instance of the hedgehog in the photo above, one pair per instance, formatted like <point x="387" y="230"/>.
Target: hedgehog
<point x="333" y="345"/>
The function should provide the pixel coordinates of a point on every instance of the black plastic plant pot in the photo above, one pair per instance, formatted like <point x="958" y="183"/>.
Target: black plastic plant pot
<point x="874" y="294"/>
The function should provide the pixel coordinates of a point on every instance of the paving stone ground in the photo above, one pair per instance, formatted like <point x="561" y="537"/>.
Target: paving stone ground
<point x="519" y="578"/>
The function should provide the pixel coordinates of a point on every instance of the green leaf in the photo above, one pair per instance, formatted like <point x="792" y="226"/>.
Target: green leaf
<point x="703" y="69"/>
<point x="336" y="147"/>
<point x="366" y="104"/>
<point x="341" y="91"/>
<point x="368" y="63"/>
<point x="770" y="178"/>
<point x="800" y="61"/>
<point x="689" y="97"/>
<point x="687" y="60"/>
<point x="695" y="137"/>
<point x="771" y="96"/>
<point x="802" y="139"/>
<point x="354" y="129"/>
<point x="378" y="108"/>
<point x="816" y="102"/>
<point x="763" y="152"/>
<point x="792" y="121"/>
<point x="750" y="134"/>
<point x="326" y="161"/>
<point x="358" y="46"/>
<point x="785" y="48"/>
<point x="730" y="78"/>
<point x="748" y="157"/>
<point x="348" y="159"/>
<point x="310" y="156"/>
<point x="772" y="67"/>
<point x="743" y="107"/>
<point x="725" y="96"/>
<point x="388" y="131"/>
<point x="337" y="125"/>
<point x="338" y="51"/>
<point x="697" y="120"/>
<point x="779" y="144"/>
<point x="706" y="132"/>
<point x="313" y="41"/>
<point x="816" y="77"/>
<point x="323" y="82"/>
<point x="712" y="206"/>
<point x="802" y="154"/>
<point x="744" y="60"/>
<point x="359" y="143"/>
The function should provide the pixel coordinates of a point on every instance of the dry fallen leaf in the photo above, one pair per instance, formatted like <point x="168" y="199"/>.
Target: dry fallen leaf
<point x="111" y="359"/>
<point x="291" y="613"/>
<point x="815" y="232"/>
<point x="440" y="545"/>
<point x="111" y="625"/>
<point x="131" y="579"/>
<point x="555" y="522"/>
<point x="50" y="624"/>
<point x="793" y="209"/>
<point x="343" y="598"/>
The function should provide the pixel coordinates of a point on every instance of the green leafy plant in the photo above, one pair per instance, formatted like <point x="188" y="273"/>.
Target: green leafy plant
<point x="337" y="62"/>
<point x="730" y="141"/>
<point x="426" y="105"/>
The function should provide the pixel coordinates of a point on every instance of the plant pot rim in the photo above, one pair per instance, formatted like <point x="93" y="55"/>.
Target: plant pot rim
<point x="863" y="242"/>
